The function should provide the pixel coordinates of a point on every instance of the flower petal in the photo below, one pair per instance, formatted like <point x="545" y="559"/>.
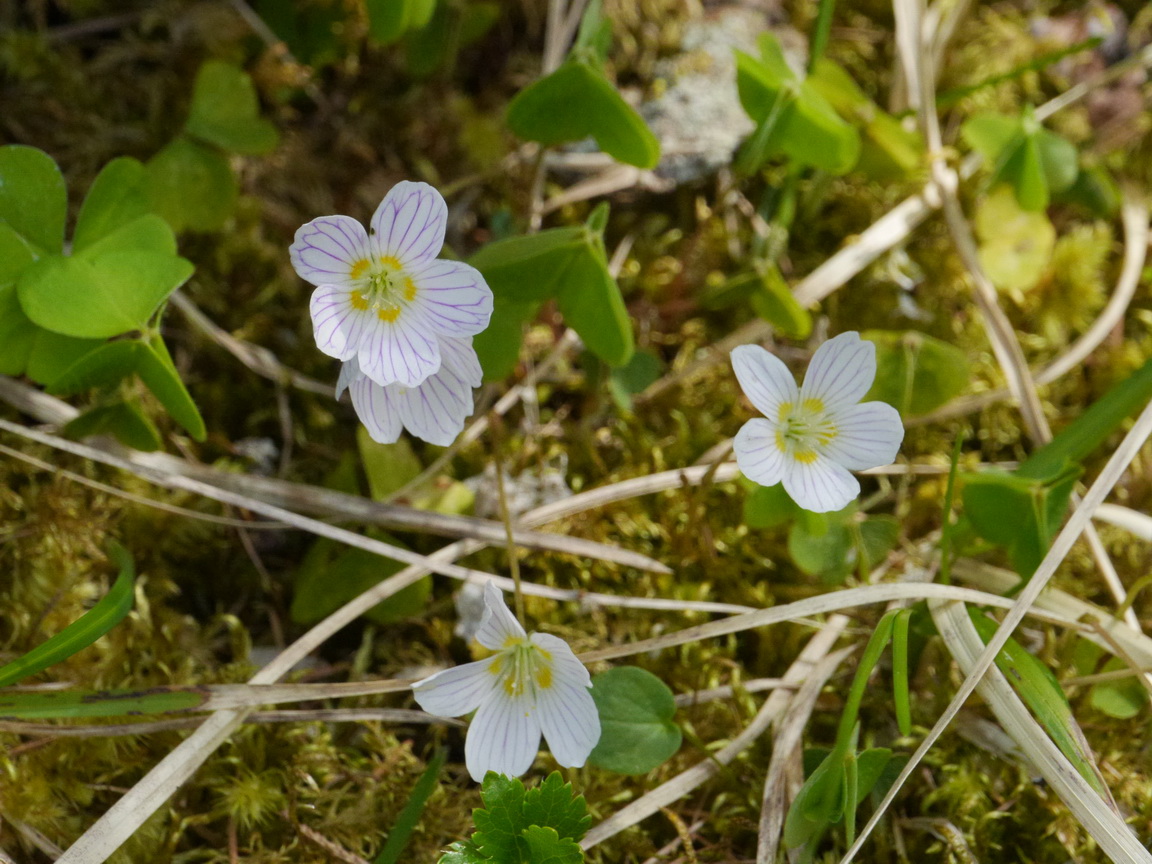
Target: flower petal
<point x="868" y="436"/>
<point x="326" y="249"/>
<point x="504" y="736"/>
<point x="435" y="410"/>
<point x="460" y="356"/>
<point x="349" y="373"/>
<point x="376" y="407"/>
<point x="409" y="224"/>
<point x="820" y="486"/>
<point x="337" y="324"/>
<point x="764" y="379"/>
<point x="566" y="710"/>
<point x="841" y="371"/>
<point x="456" y="691"/>
<point x="455" y="299"/>
<point x="499" y="625"/>
<point x="400" y="351"/>
<point x="758" y="454"/>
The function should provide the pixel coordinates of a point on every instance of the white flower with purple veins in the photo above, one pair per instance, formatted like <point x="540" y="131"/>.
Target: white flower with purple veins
<point x="434" y="410"/>
<point x="812" y="438"/>
<point x="532" y="685"/>
<point x="383" y="299"/>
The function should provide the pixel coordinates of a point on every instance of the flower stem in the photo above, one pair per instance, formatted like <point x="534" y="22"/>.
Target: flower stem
<point x="496" y="426"/>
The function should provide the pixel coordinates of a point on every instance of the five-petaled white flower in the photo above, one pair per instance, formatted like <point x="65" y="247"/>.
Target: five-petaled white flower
<point x="383" y="298"/>
<point x="533" y="684"/>
<point x="810" y="439"/>
<point x="434" y="410"/>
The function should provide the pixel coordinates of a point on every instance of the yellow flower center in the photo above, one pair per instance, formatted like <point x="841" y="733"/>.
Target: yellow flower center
<point x="522" y="668"/>
<point x="384" y="287"/>
<point x="803" y="429"/>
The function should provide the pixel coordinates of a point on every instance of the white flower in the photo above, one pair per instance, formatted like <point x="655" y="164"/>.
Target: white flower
<point x="533" y="684"/>
<point x="813" y="437"/>
<point x="434" y="410"/>
<point x="383" y="297"/>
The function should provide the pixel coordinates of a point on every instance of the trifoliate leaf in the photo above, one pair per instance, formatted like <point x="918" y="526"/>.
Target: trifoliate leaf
<point x="116" y="198"/>
<point x="33" y="200"/>
<point x="577" y="101"/>
<point x="225" y="111"/>
<point x="915" y="372"/>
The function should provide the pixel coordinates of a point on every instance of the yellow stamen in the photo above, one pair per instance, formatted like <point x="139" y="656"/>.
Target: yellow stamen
<point x="544" y="677"/>
<point x="388" y="313"/>
<point x="409" y="289"/>
<point x="358" y="301"/>
<point x="359" y="268"/>
<point x="391" y="262"/>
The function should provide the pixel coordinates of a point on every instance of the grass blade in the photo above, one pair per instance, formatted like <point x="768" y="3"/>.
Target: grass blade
<point x="82" y="632"/>
<point x="409" y="817"/>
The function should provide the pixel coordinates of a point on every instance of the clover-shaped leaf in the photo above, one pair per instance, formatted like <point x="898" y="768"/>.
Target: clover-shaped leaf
<point x="225" y="111"/>
<point x="1022" y="153"/>
<point x="565" y="264"/>
<point x="577" y="101"/>
<point x="915" y="372"/>
<point x="792" y="117"/>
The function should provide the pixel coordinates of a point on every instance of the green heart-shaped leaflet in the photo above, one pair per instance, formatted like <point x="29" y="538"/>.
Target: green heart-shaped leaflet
<point x="577" y="101"/>
<point x="793" y="118"/>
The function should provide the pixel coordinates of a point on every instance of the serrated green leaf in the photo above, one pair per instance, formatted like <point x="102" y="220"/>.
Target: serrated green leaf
<point x="104" y="296"/>
<point x="115" y="199"/>
<point x="191" y="185"/>
<point x="915" y="373"/>
<point x="463" y="852"/>
<point x="637" y="730"/>
<point x="82" y="632"/>
<point x="577" y="101"/>
<point x="226" y="113"/>
<point x="121" y="419"/>
<point x="552" y="804"/>
<point x="158" y="372"/>
<point x="545" y="846"/>
<point x="33" y="199"/>
<point x="499" y="824"/>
